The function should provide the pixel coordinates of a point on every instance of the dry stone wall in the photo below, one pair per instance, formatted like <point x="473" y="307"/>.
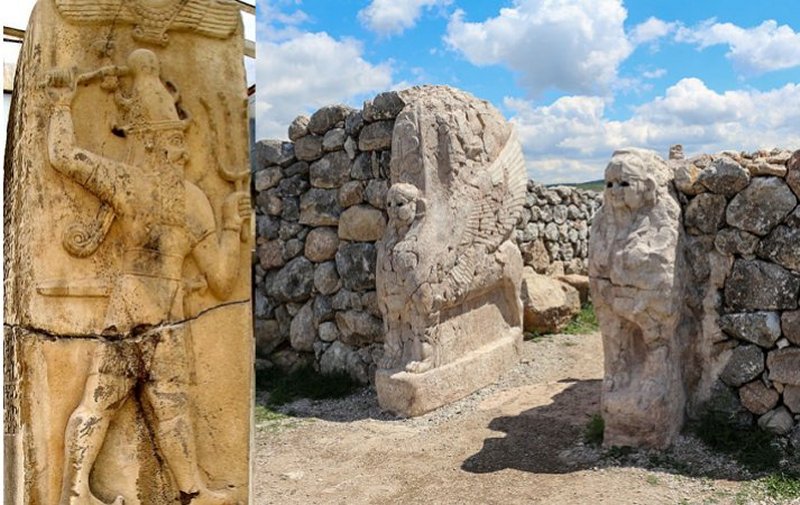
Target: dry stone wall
<point x="742" y="222"/>
<point x="320" y="209"/>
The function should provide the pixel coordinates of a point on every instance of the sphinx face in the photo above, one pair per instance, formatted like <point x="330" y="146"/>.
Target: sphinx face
<point x="401" y="208"/>
<point x="626" y="187"/>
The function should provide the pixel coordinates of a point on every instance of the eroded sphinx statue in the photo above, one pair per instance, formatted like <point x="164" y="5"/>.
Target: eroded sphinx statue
<point x="634" y="257"/>
<point x="449" y="271"/>
<point x="130" y="288"/>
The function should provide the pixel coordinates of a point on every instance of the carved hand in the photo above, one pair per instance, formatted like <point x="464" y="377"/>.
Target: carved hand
<point x="60" y="84"/>
<point x="235" y="210"/>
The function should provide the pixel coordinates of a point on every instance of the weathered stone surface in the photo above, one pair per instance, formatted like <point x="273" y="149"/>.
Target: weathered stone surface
<point x="293" y="186"/>
<point x="758" y="285"/>
<point x="362" y="223"/>
<point x="319" y="207"/>
<point x="447" y="248"/>
<point x="705" y="213"/>
<point x="329" y="332"/>
<point x="308" y="148"/>
<point x="267" y="178"/>
<point x="745" y="364"/>
<point x="356" y="265"/>
<point x="353" y="123"/>
<point x="791" y="398"/>
<point x="758" y="398"/>
<point x="384" y="106"/>
<point x="346" y="300"/>
<point x="365" y="167"/>
<point x="351" y="193"/>
<point x="331" y="171"/>
<point x="302" y="332"/>
<point x="359" y="328"/>
<point x="326" y="278"/>
<point x="327" y="117"/>
<point x="270" y="254"/>
<point x="790" y="325"/>
<point x="793" y="173"/>
<point x="632" y="272"/>
<point x="273" y="152"/>
<point x="686" y="175"/>
<point x="298" y="128"/>
<point x="782" y="247"/>
<point x="376" y="193"/>
<point x="548" y="304"/>
<point x="293" y="282"/>
<point x="297" y="168"/>
<point x="376" y="136"/>
<point x="725" y="177"/>
<point x="778" y="421"/>
<point x="735" y="241"/>
<point x="536" y="256"/>
<point x="761" y="206"/>
<point x="760" y="328"/>
<point x="334" y="140"/>
<point x="763" y="167"/>
<point x="323" y="309"/>
<point x="340" y="358"/>
<point x="122" y="165"/>
<point x="784" y="366"/>
<point x="321" y="244"/>
<point x="579" y="282"/>
<point x="268" y="336"/>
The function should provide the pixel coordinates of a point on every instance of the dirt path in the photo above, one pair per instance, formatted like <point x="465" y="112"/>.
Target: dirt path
<point x="517" y="442"/>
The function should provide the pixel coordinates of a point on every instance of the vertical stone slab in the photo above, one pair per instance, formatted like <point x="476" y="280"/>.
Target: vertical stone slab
<point x="635" y="261"/>
<point x="448" y="269"/>
<point x="126" y="274"/>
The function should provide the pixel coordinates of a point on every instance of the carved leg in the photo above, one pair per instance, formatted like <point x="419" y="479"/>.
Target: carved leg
<point x="167" y="394"/>
<point x="86" y="431"/>
<point x="426" y="355"/>
<point x="393" y="345"/>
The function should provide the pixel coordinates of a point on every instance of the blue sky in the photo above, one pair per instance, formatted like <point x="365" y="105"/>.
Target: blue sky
<point x="579" y="78"/>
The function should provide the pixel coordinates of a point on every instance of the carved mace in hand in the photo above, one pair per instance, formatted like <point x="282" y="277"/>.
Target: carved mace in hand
<point x="230" y="159"/>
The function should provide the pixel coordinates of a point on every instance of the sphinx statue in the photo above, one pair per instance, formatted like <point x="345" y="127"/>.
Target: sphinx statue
<point x="634" y="254"/>
<point x="449" y="271"/>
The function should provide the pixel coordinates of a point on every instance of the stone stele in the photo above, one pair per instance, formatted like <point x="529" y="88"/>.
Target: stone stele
<point x="128" y="334"/>
<point x="449" y="271"/>
<point x="633" y="256"/>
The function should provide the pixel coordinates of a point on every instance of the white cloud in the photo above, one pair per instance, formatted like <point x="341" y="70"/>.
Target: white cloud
<point x="651" y="30"/>
<point x="753" y="51"/>
<point x="392" y="17"/>
<point x="571" y="45"/>
<point x="654" y="74"/>
<point x="573" y="138"/>
<point x="299" y="75"/>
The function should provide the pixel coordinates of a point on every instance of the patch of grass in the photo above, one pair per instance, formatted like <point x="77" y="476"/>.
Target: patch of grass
<point x="781" y="486"/>
<point x="264" y="415"/>
<point x="303" y="383"/>
<point x="593" y="434"/>
<point x="652" y="480"/>
<point x="751" y="447"/>
<point x="585" y="322"/>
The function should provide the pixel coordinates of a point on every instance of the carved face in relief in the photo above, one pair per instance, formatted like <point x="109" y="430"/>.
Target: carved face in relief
<point x="174" y="145"/>
<point x="627" y="185"/>
<point x="143" y="62"/>
<point x="401" y="203"/>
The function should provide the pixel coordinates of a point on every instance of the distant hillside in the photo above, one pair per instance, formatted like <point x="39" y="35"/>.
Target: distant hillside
<point x="597" y="185"/>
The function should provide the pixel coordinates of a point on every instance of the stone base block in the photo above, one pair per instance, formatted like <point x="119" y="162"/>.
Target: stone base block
<point x="410" y="394"/>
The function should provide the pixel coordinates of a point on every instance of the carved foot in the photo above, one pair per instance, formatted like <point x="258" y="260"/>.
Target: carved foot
<point x="390" y="358"/>
<point x="209" y="497"/>
<point x="419" y="366"/>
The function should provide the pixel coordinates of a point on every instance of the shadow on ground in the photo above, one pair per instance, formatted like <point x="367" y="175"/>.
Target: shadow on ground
<point x="549" y="439"/>
<point x="536" y="439"/>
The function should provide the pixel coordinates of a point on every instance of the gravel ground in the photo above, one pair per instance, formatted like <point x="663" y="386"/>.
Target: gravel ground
<point x="519" y="440"/>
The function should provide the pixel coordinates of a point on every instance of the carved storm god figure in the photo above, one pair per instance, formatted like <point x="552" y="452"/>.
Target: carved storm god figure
<point x="449" y="272"/>
<point x="633" y="257"/>
<point x="129" y="297"/>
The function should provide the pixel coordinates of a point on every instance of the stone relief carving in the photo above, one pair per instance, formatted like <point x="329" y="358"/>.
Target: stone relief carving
<point x="153" y="19"/>
<point x="163" y="219"/>
<point x="458" y="184"/>
<point x="634" y="253"/>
